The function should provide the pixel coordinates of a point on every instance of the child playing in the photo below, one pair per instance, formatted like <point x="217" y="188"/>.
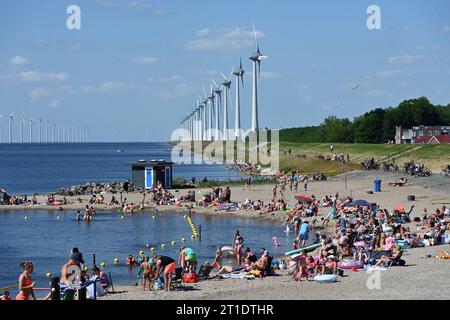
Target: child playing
<point x="5" y="296"/>
<point x="302" y="268"/>
<point x="147" y="273"/>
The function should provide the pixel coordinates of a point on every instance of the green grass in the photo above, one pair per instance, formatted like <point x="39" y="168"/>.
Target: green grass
<point x="435" y="156"/>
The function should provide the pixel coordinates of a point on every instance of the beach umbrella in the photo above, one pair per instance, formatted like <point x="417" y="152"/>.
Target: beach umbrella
<point x="400" y="207"/>
<point x="304" y="198"/>
<point x="359" y="203"/>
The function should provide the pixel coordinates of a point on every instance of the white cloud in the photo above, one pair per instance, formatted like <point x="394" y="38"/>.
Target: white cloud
<point x="270" y="75"/>
<point x="35" y="76"/>
<point x="224" y="38"/>
<point x="19" y="61"/>
<point x="109" y="87"/>
<point x="392" y="74"/>
<point x="143" y="5"/>
<point x="39" y="93"/>
<point x="54" y="103"/>
<point x="205" y="73"/>
<point x="145" y="60"/>
<point x="446" y="29"/>
<point x="179" y="90"/>
<point x="405" y="59"/>
<point x="41" y="76"/>
<point x="304" y="93"/>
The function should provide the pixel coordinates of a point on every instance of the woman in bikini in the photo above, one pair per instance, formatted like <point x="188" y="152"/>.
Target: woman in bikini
<point x="26" y="283"/>
<point x="238" y="242"/>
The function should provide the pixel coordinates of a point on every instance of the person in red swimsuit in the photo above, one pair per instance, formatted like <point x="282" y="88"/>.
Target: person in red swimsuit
<point x="26" y="283"/>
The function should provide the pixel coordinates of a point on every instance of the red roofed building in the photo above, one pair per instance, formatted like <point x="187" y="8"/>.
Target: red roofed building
<point x="433" y="139"/>
<point x="422" y="135"/>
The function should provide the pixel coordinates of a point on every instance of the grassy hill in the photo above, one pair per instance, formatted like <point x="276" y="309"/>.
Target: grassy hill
<point x="433" y="156"/>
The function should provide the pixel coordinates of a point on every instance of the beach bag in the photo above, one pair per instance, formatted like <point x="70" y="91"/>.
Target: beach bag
<point x="190" y="277"/>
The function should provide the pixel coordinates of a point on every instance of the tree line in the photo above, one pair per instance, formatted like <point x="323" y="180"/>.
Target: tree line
<point x="375" y="126"/>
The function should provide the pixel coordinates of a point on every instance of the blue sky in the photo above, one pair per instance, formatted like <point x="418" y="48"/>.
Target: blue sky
<point x="136" y="67"/>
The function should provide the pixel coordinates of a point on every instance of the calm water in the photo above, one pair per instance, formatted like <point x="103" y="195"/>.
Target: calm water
<point x="41" y="168"/>
<point x="47" y="241"/>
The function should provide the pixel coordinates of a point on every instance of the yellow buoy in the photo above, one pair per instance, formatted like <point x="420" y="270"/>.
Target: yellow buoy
<point x="163" y="246"/>
<point x="86" y="269"/>
<point x="152" y="249"/>
<point x="141" y="253"/>
<point x="173" y="243"/>
<point x="184" y="217"/>
<point x="102" y="264"/>
<point x="183" y="239"/>
<point x="58" y="218"/>
<point x="153" y="217"/>
<point x="26" y="218"/>
<point x="122" y="217"/>
<point x="49" y="275"/>
<point x="116" y="261"/>
<point x="192" y="237"/>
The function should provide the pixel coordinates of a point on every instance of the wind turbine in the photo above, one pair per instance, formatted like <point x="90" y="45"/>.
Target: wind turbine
<point x="218" y="92"/>
<point x="53" y="132"/>
<point x="211" y="112"/>
<point x="227" y="85"/>
<point x="200" y="119"/>
<point x="31" y="130"/>
<point x="46" y="131"/>
<point x="11" y="120"/>
<point x="21" y="123"/>
<point x="208" y="117"/>
<point x="239" y="73"/>
<point x="39" y="130"/>
<point x="256" y="57"/>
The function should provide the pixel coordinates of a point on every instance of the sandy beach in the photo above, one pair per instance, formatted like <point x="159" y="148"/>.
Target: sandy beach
<point x="421" y="279"/>
<point x="430" y="193"/>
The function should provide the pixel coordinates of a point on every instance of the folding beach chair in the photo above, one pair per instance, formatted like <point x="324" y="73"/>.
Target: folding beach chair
<point x="205" y="270"/>
<point x="177" y="279"/>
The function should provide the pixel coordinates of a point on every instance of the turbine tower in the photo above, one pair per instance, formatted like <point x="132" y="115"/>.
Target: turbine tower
<point x="46" y="131"/>
<point x="21" y="124"/>
<point x="39" y="130"/>
<point x="53" y="131"/>
<point x="218" y="92"/>
<point x="227" y="85"/>
<point x="239" y="73"/>
<point x="11" y="119"/>
<point x="200" y="119"/>
<point x="31" y="130"/>
<point x="256" y="57"/>
<point x="211" y="113"/>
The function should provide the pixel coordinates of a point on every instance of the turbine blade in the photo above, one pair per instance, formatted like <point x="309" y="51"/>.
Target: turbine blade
<point x="231" y="73"/>
<point x="223" y="76"/>
<point x="259" y="67"/>
<point x="240" y="63"/>
<point x="256" y="40"/>
<point x="215" y="83"/>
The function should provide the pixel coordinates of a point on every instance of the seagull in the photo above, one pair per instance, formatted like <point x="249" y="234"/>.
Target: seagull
<point x="356" y="87"/>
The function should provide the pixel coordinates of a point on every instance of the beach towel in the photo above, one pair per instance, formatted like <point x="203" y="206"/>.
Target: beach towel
<point x="242" y="275"/>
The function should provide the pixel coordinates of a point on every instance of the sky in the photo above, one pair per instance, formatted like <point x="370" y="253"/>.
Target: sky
<point x="135" y="68"/>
